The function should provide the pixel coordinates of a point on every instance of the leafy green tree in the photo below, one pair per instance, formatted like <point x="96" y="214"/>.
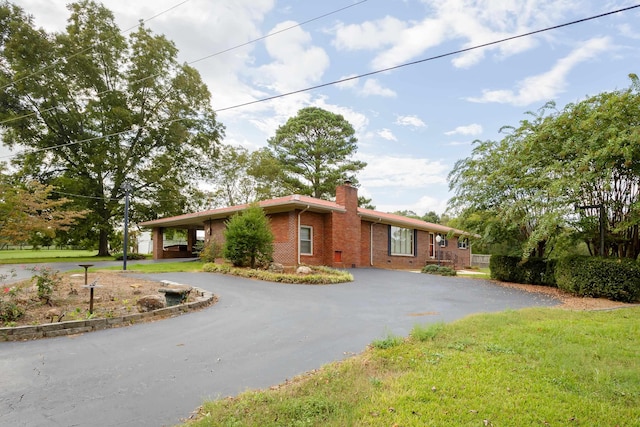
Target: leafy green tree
<point x="96" y="109"/>
<point x="431" y="217"/>
<point x="316" y="149"/>
<point x="248" y="238"/>
<point x="527" y="186"/>
<point x="408" y="213"/>
<point x="365" y="203"/>
<point x="243" y="177"/>
<point x="30" y="213"/>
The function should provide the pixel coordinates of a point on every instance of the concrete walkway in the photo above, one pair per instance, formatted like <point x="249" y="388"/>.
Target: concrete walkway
<point x="257" y="335"/>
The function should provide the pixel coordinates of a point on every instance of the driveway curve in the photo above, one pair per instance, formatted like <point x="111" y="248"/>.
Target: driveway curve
<point x="257" y="335"/>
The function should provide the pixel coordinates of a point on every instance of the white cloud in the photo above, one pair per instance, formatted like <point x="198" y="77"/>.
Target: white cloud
<point x="387" y="134"/>
<point x="472" y="129"/>
<point x="369" y="35"/>
<point x="296" y="64"/>
<point x="546" y="86"/>
<point x="414" y="121"/>
<point x="473" y="22"/>
<point x="373" y="87"/>
<point x="423" y="205"/>
<point x="401" y="172"/>
<point x="349" y="84"/>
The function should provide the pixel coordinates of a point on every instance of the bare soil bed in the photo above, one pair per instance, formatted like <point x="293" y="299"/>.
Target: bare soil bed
<point x="116" y="295"/>
<point x="569" y="302"/>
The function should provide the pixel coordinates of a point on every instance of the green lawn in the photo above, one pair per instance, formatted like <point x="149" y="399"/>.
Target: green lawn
<point x="164" y="267"/>
<point x="480" y="273"/>
<point x="515" y="368"/>
<point x="46" y="255"/>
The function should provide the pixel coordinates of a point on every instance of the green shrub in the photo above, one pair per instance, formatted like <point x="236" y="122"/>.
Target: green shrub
<point x="211" y="251"/>
<point x="615" y="279"/>
<point x="130" y="256"/>
<point x="439" y="269"/>
<point x="47" y="280"/>
<point x="248" y="238"/>
<point x="532" y="271"/>
<point x="319" y="276"/>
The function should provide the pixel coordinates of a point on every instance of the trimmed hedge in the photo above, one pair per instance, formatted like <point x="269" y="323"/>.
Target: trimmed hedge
<point x="439" y="269"/>
<point x="532" y="271"/>
<point x="132" y="256"/>
<point x="615" y="279"/>
<point x="320" y="275"/>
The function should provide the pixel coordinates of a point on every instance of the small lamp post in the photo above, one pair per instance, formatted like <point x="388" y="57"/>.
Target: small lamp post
<point x="438" y="240"/>
<point x="91" y="286"/>
<point x="127" y="190"/>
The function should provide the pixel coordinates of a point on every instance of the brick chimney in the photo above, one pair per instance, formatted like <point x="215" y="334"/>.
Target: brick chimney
<point x="346" y="228"/>
<point x="347" y="196"/>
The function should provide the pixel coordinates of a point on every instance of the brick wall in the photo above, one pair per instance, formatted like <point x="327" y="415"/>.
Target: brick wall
<point x="285" y="245"/>
<point x="317" y="222"/>
<point x="450" y="255"/>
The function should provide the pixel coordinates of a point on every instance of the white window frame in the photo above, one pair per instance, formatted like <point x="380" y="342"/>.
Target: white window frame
<point x="399" y="251"/>
<point x="310" y="240"/>
<point x="463" y="243"/>
<point x="443" y="240"/>
<point x="432" y="246"/>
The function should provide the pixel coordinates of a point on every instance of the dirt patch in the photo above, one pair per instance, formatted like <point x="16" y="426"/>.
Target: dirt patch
<point x="569" y="302"/>
<point x="116" y="295"/>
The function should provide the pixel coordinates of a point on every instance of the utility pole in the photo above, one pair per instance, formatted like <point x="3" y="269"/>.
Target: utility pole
<point x="126" y="186"/>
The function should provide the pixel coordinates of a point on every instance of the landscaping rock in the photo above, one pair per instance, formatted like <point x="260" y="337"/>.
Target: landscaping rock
<point x="276" y="267"/>
<point x="150" y="303"/>
<point x="303" y="269"/>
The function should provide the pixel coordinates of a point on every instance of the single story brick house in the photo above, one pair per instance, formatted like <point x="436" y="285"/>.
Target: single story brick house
<point x="337" y="234"/>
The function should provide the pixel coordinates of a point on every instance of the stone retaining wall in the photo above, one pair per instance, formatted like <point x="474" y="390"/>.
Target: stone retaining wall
<point x="72" y="327"/>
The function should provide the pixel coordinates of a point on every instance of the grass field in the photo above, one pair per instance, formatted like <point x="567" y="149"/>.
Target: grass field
<point x="46" y="255"/>
<point x="515" y="368"/>
<point x="165" y="267"/>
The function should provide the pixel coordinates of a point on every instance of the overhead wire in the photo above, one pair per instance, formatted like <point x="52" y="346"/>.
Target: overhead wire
<point x="229" y="49"/>
<point x="431" y="58"/>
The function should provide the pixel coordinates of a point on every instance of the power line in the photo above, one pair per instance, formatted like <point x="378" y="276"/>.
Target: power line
<point x="279" y="31"/>
<point x="46" y="67"/>
<point x="191" y="62"/>
<point x="431" y="58"/>
<point x="406" y="64"/>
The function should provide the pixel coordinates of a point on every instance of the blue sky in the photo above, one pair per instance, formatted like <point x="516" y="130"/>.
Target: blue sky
<point x="412" y="123"/>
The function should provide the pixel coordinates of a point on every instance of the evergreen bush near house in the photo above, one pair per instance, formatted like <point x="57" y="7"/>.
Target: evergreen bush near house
<point x="615" y="279"/>
<point x="532" y="271"/>
<point x="248" y="238"/>
<point x="211" y="251"/>
<point x="439" y="269"/>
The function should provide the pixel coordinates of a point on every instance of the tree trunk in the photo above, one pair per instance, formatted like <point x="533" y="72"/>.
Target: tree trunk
<point x="103" y="246"/>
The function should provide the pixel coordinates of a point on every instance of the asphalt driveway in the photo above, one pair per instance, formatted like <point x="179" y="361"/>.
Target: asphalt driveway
<point x="257" y="335"/>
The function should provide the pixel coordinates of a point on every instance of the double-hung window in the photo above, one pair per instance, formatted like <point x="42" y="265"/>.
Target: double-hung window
<point x="401" y="241"/>
<point x="306" y="240"/>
